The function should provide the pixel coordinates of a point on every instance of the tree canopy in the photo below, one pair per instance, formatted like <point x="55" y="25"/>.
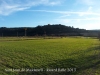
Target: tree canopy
<point x="55" y="29"/>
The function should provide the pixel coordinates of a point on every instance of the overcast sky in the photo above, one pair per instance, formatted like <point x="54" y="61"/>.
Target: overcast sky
<point x="30" y="13"/>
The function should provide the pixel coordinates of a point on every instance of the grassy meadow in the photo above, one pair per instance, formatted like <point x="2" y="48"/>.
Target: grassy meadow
<point x="19" y="54"/>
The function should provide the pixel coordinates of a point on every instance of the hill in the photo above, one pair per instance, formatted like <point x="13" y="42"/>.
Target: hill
<point x="49" y="30"/>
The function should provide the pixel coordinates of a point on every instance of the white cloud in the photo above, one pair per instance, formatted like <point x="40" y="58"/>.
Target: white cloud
<point x="69" y="12"/>
<point x="78" y="19"/>
<point x="81" y="23"/>
<point x="86" y="2"/>
<point x="90" y="9"/>
<point x="9" y="6"/>
<point x="67" y="16"/>
<point x="90" y="26"/>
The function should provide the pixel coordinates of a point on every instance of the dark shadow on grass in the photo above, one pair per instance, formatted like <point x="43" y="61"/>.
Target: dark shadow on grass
<point x="82" y="63"/>
<point x="96" y="48"/>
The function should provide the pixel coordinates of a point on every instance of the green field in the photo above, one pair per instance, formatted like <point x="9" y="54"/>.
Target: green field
<point x="82" y="54"/>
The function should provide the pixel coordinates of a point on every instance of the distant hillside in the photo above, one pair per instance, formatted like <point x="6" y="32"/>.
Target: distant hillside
<point x="92" y="33"/>
<point x="49" y="30"/>
<point x="95" y="30"/>
<point x="58" y="29"/>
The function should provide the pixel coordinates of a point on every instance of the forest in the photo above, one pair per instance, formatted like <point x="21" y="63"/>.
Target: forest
<point x="45" y="30"/>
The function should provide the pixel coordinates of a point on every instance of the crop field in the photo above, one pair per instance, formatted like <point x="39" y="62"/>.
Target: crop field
<point x="57" y="56"/>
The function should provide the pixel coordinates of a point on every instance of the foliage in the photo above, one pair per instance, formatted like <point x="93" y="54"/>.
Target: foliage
<point x="49" y="30"/>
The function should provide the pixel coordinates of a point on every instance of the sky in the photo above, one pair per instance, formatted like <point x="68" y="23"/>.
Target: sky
<point x="83" y="14"/>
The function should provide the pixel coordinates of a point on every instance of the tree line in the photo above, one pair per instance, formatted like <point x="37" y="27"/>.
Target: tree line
<point x="45" y="30"/>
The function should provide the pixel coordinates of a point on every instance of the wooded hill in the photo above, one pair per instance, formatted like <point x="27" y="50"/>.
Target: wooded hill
<point x="46" y="30"/>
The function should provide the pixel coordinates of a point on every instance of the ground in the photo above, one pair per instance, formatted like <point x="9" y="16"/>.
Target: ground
<point x="41" y="56"/>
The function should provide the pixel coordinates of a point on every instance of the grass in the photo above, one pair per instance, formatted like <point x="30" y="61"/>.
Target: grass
<point x="30" y="53"/>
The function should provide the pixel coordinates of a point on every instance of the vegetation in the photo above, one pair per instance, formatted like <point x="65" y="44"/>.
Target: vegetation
<point x="35" y="53"/>
<point x="49" y="30"/>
